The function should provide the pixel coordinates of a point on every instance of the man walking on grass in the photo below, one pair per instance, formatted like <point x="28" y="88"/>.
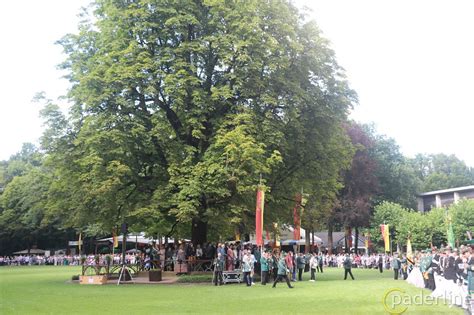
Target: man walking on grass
<point x="282" y="271"/>
<point x="347" y="267"/>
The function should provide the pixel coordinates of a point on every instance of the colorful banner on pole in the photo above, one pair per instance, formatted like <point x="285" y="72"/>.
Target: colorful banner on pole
<point x="450" y="232"/>
<point x="349" y="236"/>
<point x="385" y="230"/>
<point x="367" y="241"/>
<point x="79" y="242"/>
<point x="114" y="238"/>
<point x="409" y="251"/>
<point x="297" y="212"/>
<point x="277" y="234"/>
<point x="259" y="215"/>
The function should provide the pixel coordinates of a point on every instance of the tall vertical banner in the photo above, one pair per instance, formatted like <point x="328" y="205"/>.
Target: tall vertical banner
<point x="409" y="251"/>
<point x="259" y="215"/>
<point x="79" y="242"/>
<point x="348" y="233"/>
<point x="297" y="217"/>
<point x="114" y="238"/>
<point x="450" y="232"/>
<point x="384" y="229"/>
<point x="277" y="234"/>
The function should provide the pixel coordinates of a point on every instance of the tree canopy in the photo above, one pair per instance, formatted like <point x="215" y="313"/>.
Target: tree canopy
<point x="180" y="106"/>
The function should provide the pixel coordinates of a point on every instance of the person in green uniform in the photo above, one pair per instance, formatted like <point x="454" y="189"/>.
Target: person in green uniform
<point x="265" y="266"/>
<point x="218" y="269"/>
<point x="347" y="266"/>
<point x="300" y="263"/>
<point x="404" y="266"/>
<point x="396" y="266"/>
<point x="283" y="271"/>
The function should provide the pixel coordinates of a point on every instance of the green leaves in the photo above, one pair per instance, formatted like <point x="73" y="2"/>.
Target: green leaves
<point x="181" y="106"/>
<point x="424" y="229"/>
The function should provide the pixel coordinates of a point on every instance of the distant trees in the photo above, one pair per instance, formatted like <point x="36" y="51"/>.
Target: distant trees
<point x="424" y="229"/>
<point x="24" y="186"/>
<point x="441" y="171"/>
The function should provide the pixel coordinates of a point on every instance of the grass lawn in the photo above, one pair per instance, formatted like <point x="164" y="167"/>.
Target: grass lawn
<point x="47" y="290"/>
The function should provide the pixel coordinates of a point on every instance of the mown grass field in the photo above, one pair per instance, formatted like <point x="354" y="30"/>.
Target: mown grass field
<point x="48" y="290"/>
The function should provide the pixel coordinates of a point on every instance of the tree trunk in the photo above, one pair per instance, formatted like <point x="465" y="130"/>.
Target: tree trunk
<point x="330" y="241"/>
<point x="198" y="231"/>
<point x="356" y="240"/>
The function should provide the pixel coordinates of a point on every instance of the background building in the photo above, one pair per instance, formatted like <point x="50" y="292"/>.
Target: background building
<point x="445" y="197"/>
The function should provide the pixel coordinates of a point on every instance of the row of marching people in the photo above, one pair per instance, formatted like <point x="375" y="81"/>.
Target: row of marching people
<point x="447" y="272"/>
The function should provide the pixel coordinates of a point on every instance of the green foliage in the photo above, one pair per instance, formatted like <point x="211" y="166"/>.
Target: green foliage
<point x="423" y="229"/>
<point x="398" y="181"/>
<point x="441" y="171"/>
<point x="462" y="215"/>
<point x="180" y="107"/>
<point x="207" y="278"/>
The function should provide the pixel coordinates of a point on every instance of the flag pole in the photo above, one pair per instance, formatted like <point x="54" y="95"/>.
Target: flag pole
<point x="261" y="246"/>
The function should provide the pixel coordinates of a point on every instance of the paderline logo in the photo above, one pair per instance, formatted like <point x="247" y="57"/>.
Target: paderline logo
<point x="392" y="310"/>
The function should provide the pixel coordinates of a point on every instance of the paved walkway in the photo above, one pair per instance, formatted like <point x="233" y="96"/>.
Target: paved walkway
<point x="168" y="277"/>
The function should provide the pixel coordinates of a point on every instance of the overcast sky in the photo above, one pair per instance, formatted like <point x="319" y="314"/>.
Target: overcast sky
<point x="411" y="63"/>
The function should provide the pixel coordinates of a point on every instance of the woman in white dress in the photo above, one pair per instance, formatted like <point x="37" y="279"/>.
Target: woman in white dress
<point x="416" y="277"/>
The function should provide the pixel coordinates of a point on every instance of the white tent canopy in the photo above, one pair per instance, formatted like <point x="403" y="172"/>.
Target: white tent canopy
<point x="286" y="237"/>
<point x="139" y="239"/>
<point x="33" y="251"/>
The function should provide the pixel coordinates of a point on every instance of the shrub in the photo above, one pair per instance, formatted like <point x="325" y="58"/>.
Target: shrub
<point x="195" y="279"/>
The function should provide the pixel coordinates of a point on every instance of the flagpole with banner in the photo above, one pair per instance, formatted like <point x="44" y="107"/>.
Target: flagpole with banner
<point x="79" y="242"/>
<point x="384" y="229"/>
<point x="259" y="219"/>
<point x="259" y="215"/>
<point x="297" y="220"/>
<point x="409" y="252"/>
<point x="450" y="232"/>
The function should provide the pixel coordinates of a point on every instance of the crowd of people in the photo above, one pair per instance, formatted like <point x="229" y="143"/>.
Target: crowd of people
<point x="446" y="272"/>
<point x="29" y="260"/>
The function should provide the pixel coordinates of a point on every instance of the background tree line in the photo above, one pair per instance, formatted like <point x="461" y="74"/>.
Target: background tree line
<point x="180" y="108"/>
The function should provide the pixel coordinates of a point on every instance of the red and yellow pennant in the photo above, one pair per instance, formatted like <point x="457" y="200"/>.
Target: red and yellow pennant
<point x="297" y="217"/>
<point x="259" y="215"/>
<point x="385" y="230"/>
<point x="115" y="238"/>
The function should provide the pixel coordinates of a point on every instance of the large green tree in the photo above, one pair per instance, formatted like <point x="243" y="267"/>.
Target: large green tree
<point x="397" y="178"/>
<point x="441" y="171"/>
<point x="180" y="106"/>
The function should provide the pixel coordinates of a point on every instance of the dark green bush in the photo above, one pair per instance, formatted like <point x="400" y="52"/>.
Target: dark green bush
<point x="195" y="278"/>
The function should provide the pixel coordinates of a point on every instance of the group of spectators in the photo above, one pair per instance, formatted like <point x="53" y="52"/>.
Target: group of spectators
<point x="29" y="260"/>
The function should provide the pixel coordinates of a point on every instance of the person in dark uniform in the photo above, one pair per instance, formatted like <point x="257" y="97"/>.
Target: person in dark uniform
<point x="380" y="263"/>
<point x="430" y="282"/>
<point x="264" y="265"/>
<point x="347" y="267"/>
<point x="274" y="266"/>
<point x="283" y="271"/>
<point x="218" y="269"/>
<point x="300" y="263"/>
<point x="458" y="266"/>
<point x="320" y="263"/>
<point x="449" y="269"/>
<point x="469" y="270"/>
<point x="404" y="266"/>
<point x="435" y="262"/>
<point x="396" y="266"/>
